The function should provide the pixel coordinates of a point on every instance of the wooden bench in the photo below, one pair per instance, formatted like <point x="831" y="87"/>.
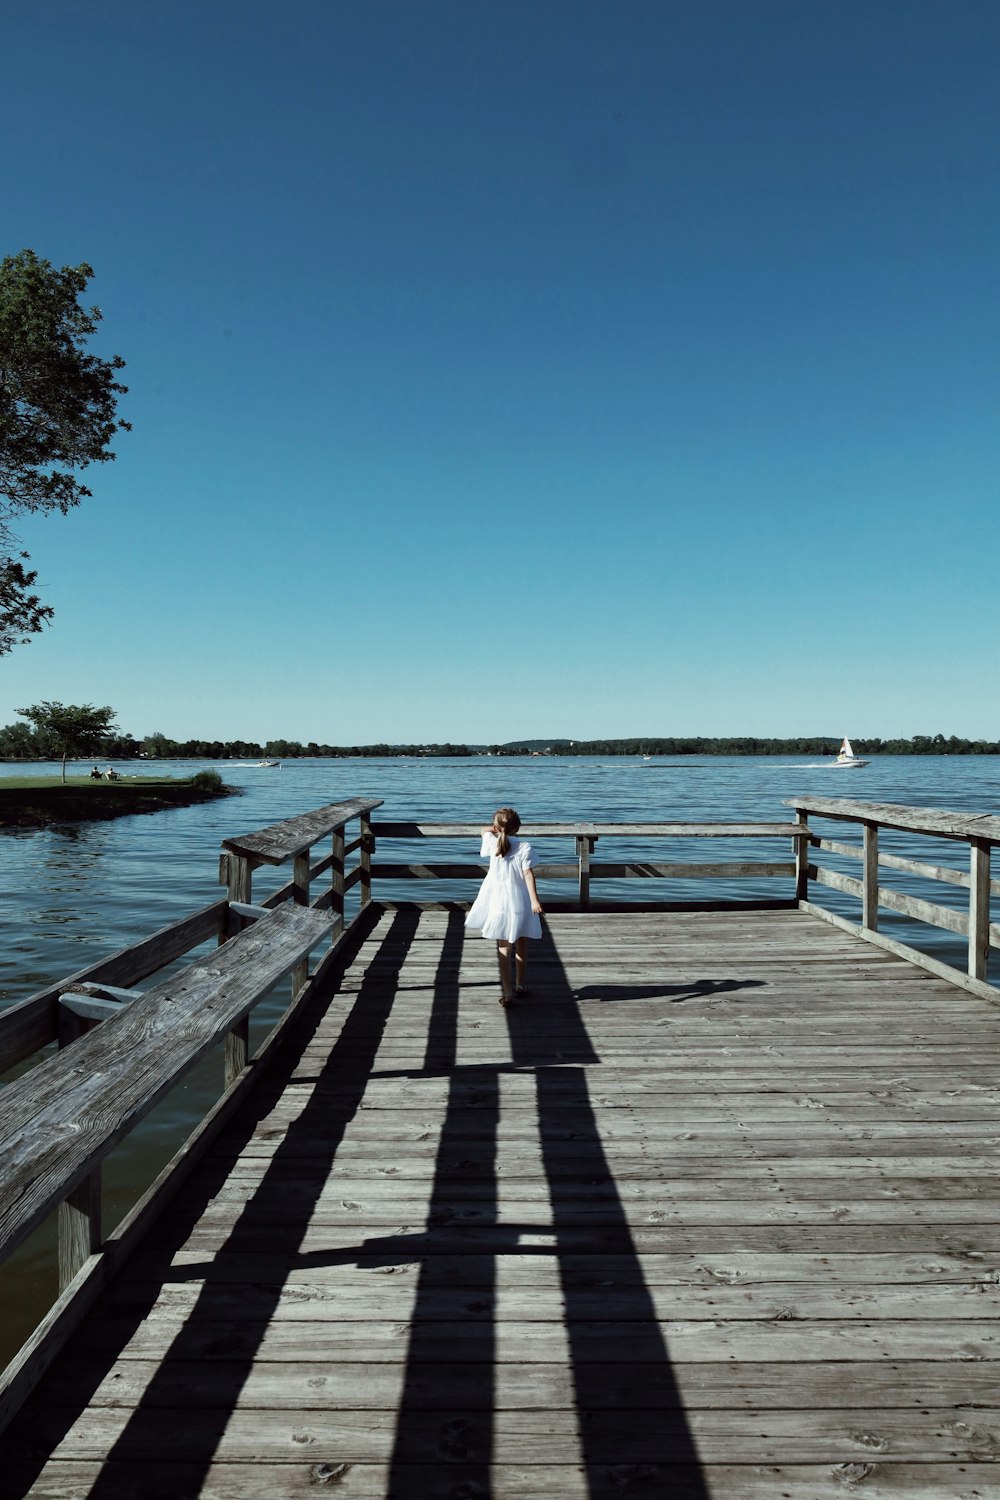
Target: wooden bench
<point x="61" y="1119"/>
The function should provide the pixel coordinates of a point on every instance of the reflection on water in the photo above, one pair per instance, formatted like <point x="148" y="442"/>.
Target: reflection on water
<point x="72" y="894"/>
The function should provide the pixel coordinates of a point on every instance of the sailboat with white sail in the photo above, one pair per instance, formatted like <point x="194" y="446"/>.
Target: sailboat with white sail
<point x="847" y="756"/>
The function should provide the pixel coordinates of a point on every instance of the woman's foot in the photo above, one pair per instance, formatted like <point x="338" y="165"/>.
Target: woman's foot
<point x="521" y="989"/>
<point x="506" y="1000"/>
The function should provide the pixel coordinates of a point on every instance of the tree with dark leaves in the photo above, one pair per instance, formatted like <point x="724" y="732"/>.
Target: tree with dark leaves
<point x="58" y="414"/>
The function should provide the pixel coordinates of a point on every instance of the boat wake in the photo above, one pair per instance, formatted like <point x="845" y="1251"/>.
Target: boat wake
<point x="807" y="765"/>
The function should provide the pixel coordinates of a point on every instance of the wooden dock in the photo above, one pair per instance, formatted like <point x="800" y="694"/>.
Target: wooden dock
<point x="713" y="1213"/>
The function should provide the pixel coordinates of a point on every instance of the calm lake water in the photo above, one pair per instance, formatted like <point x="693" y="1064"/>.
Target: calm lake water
<point x="70" y="895"/>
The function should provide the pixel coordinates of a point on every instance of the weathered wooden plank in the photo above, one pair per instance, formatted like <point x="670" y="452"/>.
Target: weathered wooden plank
<point x="510" y="1272"/>
<point x="530" y="831"/>
<point x="407" y="1241"/>
<point x="953" y="825"/>
<point x="924" y="911"/>
<point x="525" y="1295"/>
<point x="282" y="841"/>
<point x="58" y="1122"/>
<point x="446" y="1478"/>
<point x="529" y="1437"/>
<point x="782" y="1338"/>
<point x="758" y="1385"/>
<point x="633" y="1186"/>
<point x="329" y="1215"/>
<point x="598" y="871"/>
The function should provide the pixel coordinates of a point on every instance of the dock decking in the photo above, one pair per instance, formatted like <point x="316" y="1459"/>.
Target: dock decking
<point x="713" y="1213"/>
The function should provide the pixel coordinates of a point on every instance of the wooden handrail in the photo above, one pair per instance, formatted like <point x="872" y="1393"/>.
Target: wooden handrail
<point x="948" y="825"/>
<point x="586" y="836"/>
<point x="593" y="830"/>
<point x="979" y="831"/>
<point x="281" y="842"/>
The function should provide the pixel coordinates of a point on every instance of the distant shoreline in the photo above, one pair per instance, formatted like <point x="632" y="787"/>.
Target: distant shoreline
<point x="132" y="751"/>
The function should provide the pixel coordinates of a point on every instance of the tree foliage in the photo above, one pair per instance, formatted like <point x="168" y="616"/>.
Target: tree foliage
<point x="58" y="414"/>
<point x="72" y="729"/>
<point x="22" y="613"/>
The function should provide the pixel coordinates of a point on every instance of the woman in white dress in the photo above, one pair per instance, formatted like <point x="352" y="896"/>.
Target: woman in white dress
<point x="507" y="907"/>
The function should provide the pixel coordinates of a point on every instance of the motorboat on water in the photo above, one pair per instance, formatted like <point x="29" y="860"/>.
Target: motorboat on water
<point x="266" y="765"/>
<point x="847" y="756"/>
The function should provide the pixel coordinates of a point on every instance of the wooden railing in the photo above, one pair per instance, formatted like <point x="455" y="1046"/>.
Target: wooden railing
<point x="120" y="1050"/>
<point x="585" y="869"/>
<point x="979" y="832"/>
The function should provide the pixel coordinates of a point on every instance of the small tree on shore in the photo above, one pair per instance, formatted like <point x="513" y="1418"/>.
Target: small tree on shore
<point x="73" y="729"/>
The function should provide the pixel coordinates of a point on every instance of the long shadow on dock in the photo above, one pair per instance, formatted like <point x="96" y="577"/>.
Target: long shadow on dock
<point x="631" y="1433"/>
<point x="610" y="1394"/>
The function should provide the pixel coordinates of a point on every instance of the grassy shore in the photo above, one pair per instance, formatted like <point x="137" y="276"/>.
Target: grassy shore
<point x="38" y="801"/>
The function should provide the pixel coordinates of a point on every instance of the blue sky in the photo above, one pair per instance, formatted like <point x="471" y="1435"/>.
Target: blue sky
<point x="501" y="370"/>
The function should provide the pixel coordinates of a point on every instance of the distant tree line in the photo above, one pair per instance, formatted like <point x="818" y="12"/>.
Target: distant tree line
<point x="25" y="742"/>
<point x="920" y="744"/>
<point x="36" y="742"/>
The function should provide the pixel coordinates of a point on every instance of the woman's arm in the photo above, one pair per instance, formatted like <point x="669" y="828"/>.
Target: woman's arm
<point x="529" y="880"/>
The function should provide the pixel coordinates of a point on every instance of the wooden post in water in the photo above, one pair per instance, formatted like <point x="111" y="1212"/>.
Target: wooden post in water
<point x="869" y="878"/>
<point x="79" y="1227"/>
<point x="979" y="907"/>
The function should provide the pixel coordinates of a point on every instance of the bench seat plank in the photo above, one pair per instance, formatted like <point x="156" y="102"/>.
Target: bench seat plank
<point x="59" y="1120"/>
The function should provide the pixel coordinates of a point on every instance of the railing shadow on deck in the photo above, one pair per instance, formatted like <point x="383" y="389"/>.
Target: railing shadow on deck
<point x="673" y="994"/>
<point x="445" y="1435"/>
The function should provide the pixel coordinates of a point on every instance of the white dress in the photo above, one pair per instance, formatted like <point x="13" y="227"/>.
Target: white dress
<point x="502" y="909"/>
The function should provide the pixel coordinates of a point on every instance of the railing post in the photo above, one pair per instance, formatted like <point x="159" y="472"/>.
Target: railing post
<point x="584" y="849"/>
<point x="300" y="895"/>
<point x="979" y="907"/>
<point x="365" y="860"/>
<point x="337" y="884"/>
<point x="801" y="857"/>
<point x="869" y="878"/>
<point x="79" y="1227"/>
<point x="239" y="887"/>
<point x="237" y="874"/>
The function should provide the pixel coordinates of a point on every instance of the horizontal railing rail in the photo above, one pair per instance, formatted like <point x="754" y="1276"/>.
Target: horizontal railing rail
<point x="584" y="869"/>
<point x="978" y="832"/>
